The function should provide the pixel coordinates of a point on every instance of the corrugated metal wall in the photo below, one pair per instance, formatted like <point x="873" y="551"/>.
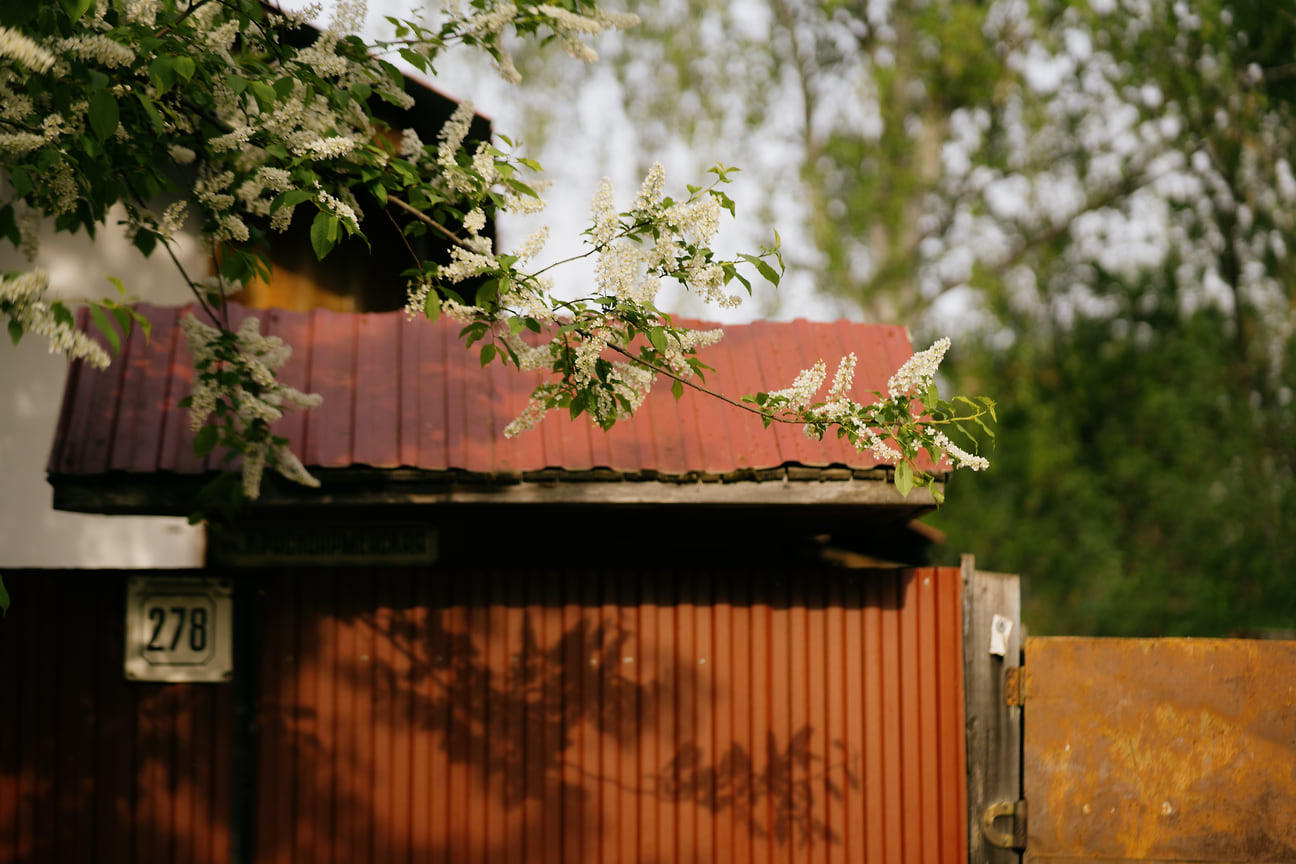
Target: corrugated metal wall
<point x="457" y="716"/>
<point x="93" y="768"/>
<point x="453" y="715"/>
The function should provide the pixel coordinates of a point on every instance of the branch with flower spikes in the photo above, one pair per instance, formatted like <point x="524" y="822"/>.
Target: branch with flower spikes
<point x="269" y="129"/>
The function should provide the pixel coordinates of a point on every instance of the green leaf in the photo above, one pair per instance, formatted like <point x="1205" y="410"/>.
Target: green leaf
<point x="657" y="336"/>
<point x="145" y="325"/>
<point x="76" y="8"/>
<point x="205" y="440"/>
<point x="9" y="225"/>
<point x="290" y="198"/>
<point x="904" y="478"/>
<point x="15" y="330"/>
<point x="578" y="403"/>
<point x="184" y="67"/>
<point x="677" y="390"/>
<point x="123" y="318"/>
<point x="161" y="74"/>
<point x="264" y="94"/>
<point x="20" y="180"/>
<point x="767" y="271"/>
<point x="105" y="327"/>
<point x="61" y="314"/>
<point x="323" y="234"/>
<point x="145" y="241"/>
<point x="487" y="354"/>
<point x="432" y="306"/>
<point x="4" y="598"/>
<point x="104" y="114"/>
<point x="151" y="111"/>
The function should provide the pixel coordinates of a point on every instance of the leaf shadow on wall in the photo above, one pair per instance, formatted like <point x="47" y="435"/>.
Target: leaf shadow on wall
<point x="546" y="707"/>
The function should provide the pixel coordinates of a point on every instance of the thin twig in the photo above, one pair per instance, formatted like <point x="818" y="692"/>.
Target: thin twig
<point x="723" y="398"/>
<point x="418" y="262"/>
<point x="563" y="261"/>
<point x="193" y="288"/>
<point x="193" y="7"/>
<point x="428" y="220"/>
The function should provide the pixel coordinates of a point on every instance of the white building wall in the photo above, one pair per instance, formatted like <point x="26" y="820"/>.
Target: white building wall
<point x="32" y="533"/>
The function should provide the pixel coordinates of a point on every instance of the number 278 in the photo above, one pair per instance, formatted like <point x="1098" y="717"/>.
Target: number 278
<point x="194" y="616"/>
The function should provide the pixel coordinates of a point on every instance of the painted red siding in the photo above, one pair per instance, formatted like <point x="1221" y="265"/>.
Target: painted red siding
<point x="596" y="716"/>
<point x="92" y="767"/>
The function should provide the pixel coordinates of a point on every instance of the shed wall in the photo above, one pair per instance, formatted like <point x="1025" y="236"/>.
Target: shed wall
<point x="92" y="767"/>
<point x="602" y="716"/>
<point x="463" y="715"/>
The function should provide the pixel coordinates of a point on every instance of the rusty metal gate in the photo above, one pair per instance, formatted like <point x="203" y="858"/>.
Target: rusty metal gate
<point x="1160" y="750"/>
<point x="1147" y="750"/>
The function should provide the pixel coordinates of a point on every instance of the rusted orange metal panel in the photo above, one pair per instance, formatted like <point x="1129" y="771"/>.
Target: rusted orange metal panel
<point x="1160" y="750"/>
<point x="610" y="716"/>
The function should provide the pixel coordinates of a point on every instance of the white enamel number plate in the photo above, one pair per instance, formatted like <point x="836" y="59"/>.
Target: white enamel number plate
<point x="178" y="629"/>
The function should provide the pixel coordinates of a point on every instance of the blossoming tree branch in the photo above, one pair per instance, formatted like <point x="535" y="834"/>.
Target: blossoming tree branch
<point x="222" y="108"/>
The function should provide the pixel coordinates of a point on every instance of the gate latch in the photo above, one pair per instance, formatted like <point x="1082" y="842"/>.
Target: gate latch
<point x="1012" y="839"/>
<point x="1014" y="686"/>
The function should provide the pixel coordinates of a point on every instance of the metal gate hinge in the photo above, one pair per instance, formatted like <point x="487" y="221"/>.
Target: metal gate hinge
<point x="1014" y="686"/>
<point x="1014" y="839"/>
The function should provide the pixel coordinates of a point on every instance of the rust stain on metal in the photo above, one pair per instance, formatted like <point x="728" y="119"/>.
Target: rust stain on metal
<point x="1161" y="750"/>
<point x="1014" y="677"/>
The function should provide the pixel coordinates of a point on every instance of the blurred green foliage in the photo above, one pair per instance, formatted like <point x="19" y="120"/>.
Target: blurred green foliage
<point x="1142" y="482"/>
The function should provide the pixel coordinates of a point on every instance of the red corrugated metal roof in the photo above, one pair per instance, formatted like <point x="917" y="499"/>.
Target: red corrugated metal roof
<point x="407" y="394"/>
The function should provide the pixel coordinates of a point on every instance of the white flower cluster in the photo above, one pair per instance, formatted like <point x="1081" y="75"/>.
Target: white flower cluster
<point x="258" y="400"/>
<point x="629" y="268"/>
<point x="18" y="107"/>
<point x="688" y="340"/>
<point x="451" y="137"/>
<point x="464" y="264"/>
<point x="172" y="221"/>
<point x="962" y="458"/>
<point x="347" y="212"/>
<point x="804" y="387"/>
<point x="864" y="422"/>
<point x="530" y="417"/>
<point x="533" y="244"/>
<point x="257" y="193"/>
<point x="571" y="26"/>
<point x="140" y="11"/>
<point x="918" y="371"/>
<point x="416" y="297"/>
<point x="21" y="299"/>
<point x="411" y="146"/>
<point x="24" y="51"/>
<point x="98" y="48"/>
